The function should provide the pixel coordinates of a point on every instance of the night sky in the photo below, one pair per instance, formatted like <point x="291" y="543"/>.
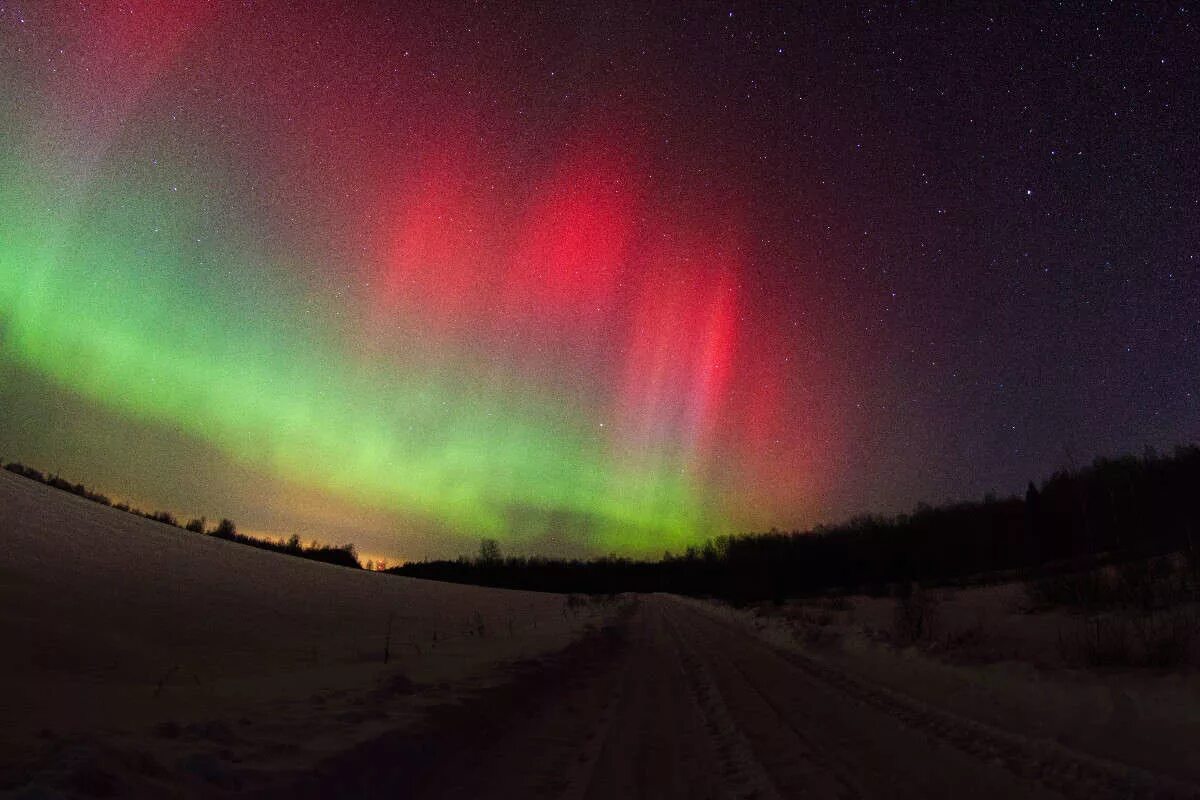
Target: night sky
<point x="591" y="279"/>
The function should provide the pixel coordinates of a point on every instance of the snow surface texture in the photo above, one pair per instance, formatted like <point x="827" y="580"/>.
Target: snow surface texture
<point x="169" y="647"/>
<point x="1145" y="719"/>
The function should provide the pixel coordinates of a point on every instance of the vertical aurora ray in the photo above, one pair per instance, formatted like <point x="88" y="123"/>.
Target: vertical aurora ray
<point x="433" y="336"/>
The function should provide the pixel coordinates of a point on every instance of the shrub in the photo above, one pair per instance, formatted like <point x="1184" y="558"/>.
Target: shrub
<point x="489" y="552"/>
<point x="837" y="602"/>
<point x="28" y="472"/>
<point x="915" y="616"/>
<point x="1165" y="637"/>
<point x="1101" y="640"/>
<point x="1137" y="583"/>
<point x="1090" y="589"/>
<point x="1157" y="638"/>
<point x="344" y="556"/>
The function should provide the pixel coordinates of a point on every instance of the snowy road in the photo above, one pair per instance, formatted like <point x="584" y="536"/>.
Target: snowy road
<point x="684" y="705"/>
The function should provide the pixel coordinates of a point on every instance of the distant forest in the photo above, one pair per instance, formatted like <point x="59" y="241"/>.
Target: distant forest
<point x="343" y="555"/>
<point x="1117" y="509"/>
<point x="1114" y="510"/>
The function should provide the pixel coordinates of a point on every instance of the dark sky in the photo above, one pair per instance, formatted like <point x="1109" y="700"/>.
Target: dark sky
<point x="589" y="277"/>
<point x="1004" y="210"/>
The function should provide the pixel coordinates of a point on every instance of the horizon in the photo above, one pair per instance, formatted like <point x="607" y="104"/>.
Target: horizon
<point x="380" y="561"/>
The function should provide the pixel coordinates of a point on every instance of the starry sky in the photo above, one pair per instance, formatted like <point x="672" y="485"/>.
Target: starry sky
<point x="591" y="279"/>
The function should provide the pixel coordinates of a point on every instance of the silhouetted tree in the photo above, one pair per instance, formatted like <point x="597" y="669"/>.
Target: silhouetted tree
<point x="1034" y="547"/>
<point x="489" y="552"/>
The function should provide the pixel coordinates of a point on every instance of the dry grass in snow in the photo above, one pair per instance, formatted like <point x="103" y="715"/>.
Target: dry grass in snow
<point x="996" y="654"/>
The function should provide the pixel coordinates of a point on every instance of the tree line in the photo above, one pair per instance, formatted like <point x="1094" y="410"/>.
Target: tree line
<point x="1115" y="509"/>
<point x="344" y="555"/>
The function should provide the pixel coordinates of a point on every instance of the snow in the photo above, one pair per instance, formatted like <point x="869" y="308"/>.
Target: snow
<point x="993" y="662"/>
<point x="123" y="632"/>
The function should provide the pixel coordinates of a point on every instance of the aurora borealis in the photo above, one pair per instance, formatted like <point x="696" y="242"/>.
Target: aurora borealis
<point x="356" y="302"/>
<point x="451" y="272"/>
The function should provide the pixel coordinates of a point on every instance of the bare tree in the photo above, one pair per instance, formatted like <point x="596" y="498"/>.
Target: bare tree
<point x="489" y="551"/>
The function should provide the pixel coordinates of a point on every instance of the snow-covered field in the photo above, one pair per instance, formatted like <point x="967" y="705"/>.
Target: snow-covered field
<point x="989" y="659"/>
<point x="141" y="660"/>
<point x="136" y="649"/>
